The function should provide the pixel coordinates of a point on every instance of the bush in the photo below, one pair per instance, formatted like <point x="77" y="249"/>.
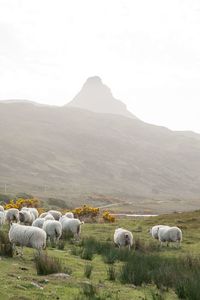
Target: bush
<point x="88" y="270"/>
<point x="47" y="265"/>
<point x="6" y="248"/>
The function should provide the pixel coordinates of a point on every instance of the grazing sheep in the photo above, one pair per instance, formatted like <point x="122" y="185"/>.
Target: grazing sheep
<point x="123" y="237"/>
<point x="71" y="225"/>
<point x="2" y="218"/>
<point x="33" y="210"/>
<point x="154" y="230"/>
<point x="26" y="217"/>
<point x="38" y="222"/>
<point x="44" y="214"/>
<point x="1" y="208"/>
<point x="49" y="217"/>
<point x="53" y="230"/>
<point x="12" y="215"/>
<point x="28" y="236"/>
<point x="69" y="214"/>
<point x="171" y="234"/>
<point x="55" y="213"/>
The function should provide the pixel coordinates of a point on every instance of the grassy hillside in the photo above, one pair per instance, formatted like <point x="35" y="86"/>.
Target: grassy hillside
<point x="73" y="154"/>
<point x="20" y="281"/>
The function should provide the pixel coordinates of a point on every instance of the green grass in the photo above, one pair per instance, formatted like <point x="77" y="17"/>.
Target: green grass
<point x="17" y="275"/>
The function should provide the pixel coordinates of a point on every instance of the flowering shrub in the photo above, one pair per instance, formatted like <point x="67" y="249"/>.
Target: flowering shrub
<point x="107" y="217"/>
<point x="86" y="211"/>
<point x="20" y="202"/>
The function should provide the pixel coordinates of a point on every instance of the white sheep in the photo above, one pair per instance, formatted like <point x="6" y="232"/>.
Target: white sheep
<point x="53" y="230"/>
<point x="171" y="234"/>
<point x="123" y="237"/>
<point x="55" y="213"/>
<point x="49" y="217"/>
<point x="69" y="214"/>
<point x="12" y="215"/>
<point x="43" y="214"/>
<point x="1" y="208"/>
<point x="33" y="210"/>
<point x="154" y="230"/>
<point x="26" y="217"/>
<point x="2" y="218"/>
<point x="28" y="236"/>
<point x="38" y="222"/>
<point x="71" y="226"/>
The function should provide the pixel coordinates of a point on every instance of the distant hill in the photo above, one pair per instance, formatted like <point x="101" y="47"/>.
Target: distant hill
<point x="73" y="153"/>
<point x="97" y="97"/>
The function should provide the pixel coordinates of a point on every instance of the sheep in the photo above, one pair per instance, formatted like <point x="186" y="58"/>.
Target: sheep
<point x="123" y="237"/>
<point x="1" y="208"/>
<point x="33" y="210"/>
<point x="43" y="214"/>
<point x="171" y="234"/>
<point x="55" y="213"/>
<point x="28" y="236"/>
<point x="2" y="218"/>
<point x="53" y="230"/>
<point x="49" y="217"/>
<point x="26" y="217"/>
<point x="38" y="222"/>
<point x="71" y="225"/>
<point x="154" y="230"/>
<point x="12" y="215"/>
<point x="69" y="214"/>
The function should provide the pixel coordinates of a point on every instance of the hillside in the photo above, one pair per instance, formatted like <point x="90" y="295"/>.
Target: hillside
<point x="74" y="153"/>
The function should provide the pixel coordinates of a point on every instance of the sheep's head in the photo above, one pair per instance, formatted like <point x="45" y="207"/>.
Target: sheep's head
<point x="21" y="216"/>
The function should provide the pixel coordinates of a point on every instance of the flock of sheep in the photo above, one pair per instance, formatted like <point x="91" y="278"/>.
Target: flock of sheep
<point x="29" y="229"/>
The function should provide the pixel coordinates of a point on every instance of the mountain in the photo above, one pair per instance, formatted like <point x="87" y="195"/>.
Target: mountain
<point x="74" y="153"/>
<point x="97" y="97"/>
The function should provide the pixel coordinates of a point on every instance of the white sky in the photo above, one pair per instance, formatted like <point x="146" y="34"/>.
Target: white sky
<point x="147" y="51"/>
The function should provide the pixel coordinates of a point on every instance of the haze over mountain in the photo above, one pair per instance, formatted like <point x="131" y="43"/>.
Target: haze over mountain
<point x="97" y="97"/>
<point x="75" y="152"/>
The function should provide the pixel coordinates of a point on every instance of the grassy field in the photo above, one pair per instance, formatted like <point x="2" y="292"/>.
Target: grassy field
<point x="19" y="279"/>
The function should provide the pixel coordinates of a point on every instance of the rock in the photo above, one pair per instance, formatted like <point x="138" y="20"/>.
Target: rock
<point x="37" y="285"/>
<point x="60" y="275"/>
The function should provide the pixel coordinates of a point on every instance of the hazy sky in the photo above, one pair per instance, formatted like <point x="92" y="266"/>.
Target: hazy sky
<point x="147" y="51"/>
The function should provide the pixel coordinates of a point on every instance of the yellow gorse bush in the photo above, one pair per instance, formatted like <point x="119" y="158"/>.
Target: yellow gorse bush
<point x="108" y="217"/>
<point x="21" y="202"/>
<point x="86" y="211"/>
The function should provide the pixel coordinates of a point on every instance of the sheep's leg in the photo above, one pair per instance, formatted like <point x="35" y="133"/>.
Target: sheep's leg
<point x="14" y="249"/>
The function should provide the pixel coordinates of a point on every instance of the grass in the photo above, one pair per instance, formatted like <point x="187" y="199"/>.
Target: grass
<point x="47" y="265"/>
<point x="88" y="270"/>
<point x="17" y="275"/>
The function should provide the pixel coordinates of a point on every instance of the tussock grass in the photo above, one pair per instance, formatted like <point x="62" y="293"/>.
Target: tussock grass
<point x="181" y="274"/>
<point x="111" y="272"/>
<point x="88" y="270"/>
<point x="47" y="265"/>
<point x="6" y="248"/>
